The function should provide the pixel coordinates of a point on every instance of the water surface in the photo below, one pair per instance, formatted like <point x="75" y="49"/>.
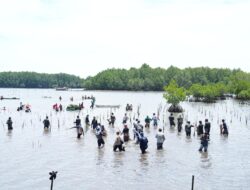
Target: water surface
<point x="28" y="154"/>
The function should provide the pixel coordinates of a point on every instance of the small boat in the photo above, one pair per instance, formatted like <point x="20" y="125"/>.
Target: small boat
<point x="107" y="106"/>
<point x="46" y="97"/>
<point x="73" y="107"/>
<point x="13" y="98"/>
<point x="62" y="89"/>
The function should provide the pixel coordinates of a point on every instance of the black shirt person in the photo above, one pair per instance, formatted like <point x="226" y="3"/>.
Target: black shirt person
<point x="78" y="121"/>
<point x="9" y="123"/>
<point x="200" y="128"/>
<point x="46" y="123"/>
<point x="171" y="120"/>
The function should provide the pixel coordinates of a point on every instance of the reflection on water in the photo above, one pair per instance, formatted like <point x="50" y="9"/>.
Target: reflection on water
<point x="9" y="134"/>
<point x="206" y="161"/>
<point x="28" y="149"/>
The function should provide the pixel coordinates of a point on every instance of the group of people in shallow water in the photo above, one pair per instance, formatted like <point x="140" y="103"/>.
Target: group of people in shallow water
<point x="57" y="107"/>
<point x="92" y="98"/>
<point x="26" y="108"/>
<point x="203" y="131"/>
<point x="138" y="132"/>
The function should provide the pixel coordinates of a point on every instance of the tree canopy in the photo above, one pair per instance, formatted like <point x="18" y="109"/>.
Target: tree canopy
<point x="199" y="82"/>
<point x="38" y="80"/>
<point x="174" y="94"/>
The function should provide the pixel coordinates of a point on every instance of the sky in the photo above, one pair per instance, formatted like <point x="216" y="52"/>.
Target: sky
<point x="84" y="37"/>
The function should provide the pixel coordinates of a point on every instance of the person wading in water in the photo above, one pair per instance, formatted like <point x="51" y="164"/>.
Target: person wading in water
<point x="179" y="123"/>
<point x="171" y="120"/>
<point x="9" y="124"/>
<point x="46" y="123"/>
<point x="118" y="143"/>
<point x="78" y="127"/>
<point x="160" y="139"/>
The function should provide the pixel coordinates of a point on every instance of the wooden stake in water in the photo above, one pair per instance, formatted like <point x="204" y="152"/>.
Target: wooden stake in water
<point x="192" y="188"/>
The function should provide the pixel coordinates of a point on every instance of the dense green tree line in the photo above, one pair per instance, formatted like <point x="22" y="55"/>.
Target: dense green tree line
<point x="38" y="80"/>
<point x="147" y="78"/>
<point x="200" y="82"/>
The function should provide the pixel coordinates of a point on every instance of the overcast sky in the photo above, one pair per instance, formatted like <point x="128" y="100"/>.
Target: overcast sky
<point x="84" y="37"/>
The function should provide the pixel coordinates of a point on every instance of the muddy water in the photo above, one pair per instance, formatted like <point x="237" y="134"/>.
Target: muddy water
<point x="27" y="154"/>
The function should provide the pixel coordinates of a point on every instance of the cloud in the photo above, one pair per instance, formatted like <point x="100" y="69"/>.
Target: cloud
<point x="85" y="37"/>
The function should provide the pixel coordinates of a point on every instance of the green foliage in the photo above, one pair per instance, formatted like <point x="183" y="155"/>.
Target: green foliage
<point x="244" y="95"/>
<point x="201" y="82"/>
<point x="37" y="80"/>
<point x="146" y="78"/>
<point x="174" y="94"/>
<point x="239" y="82"/>
<point x="209" y="92"/>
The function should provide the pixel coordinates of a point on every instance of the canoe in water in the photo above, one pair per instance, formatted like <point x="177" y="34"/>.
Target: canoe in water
<point x="72" y="107"/>
<point x="14" y="98"/>
<point x="108" y="106"/>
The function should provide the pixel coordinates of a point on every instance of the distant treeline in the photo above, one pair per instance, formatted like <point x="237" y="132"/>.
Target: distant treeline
<point x="198" y="81"/>
<point x="38" y="80"/>
<point x="146" y="78"/>
<point x="201" y="80"/>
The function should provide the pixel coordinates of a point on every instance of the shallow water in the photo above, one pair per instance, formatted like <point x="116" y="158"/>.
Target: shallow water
<point x="28" y="154"/>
